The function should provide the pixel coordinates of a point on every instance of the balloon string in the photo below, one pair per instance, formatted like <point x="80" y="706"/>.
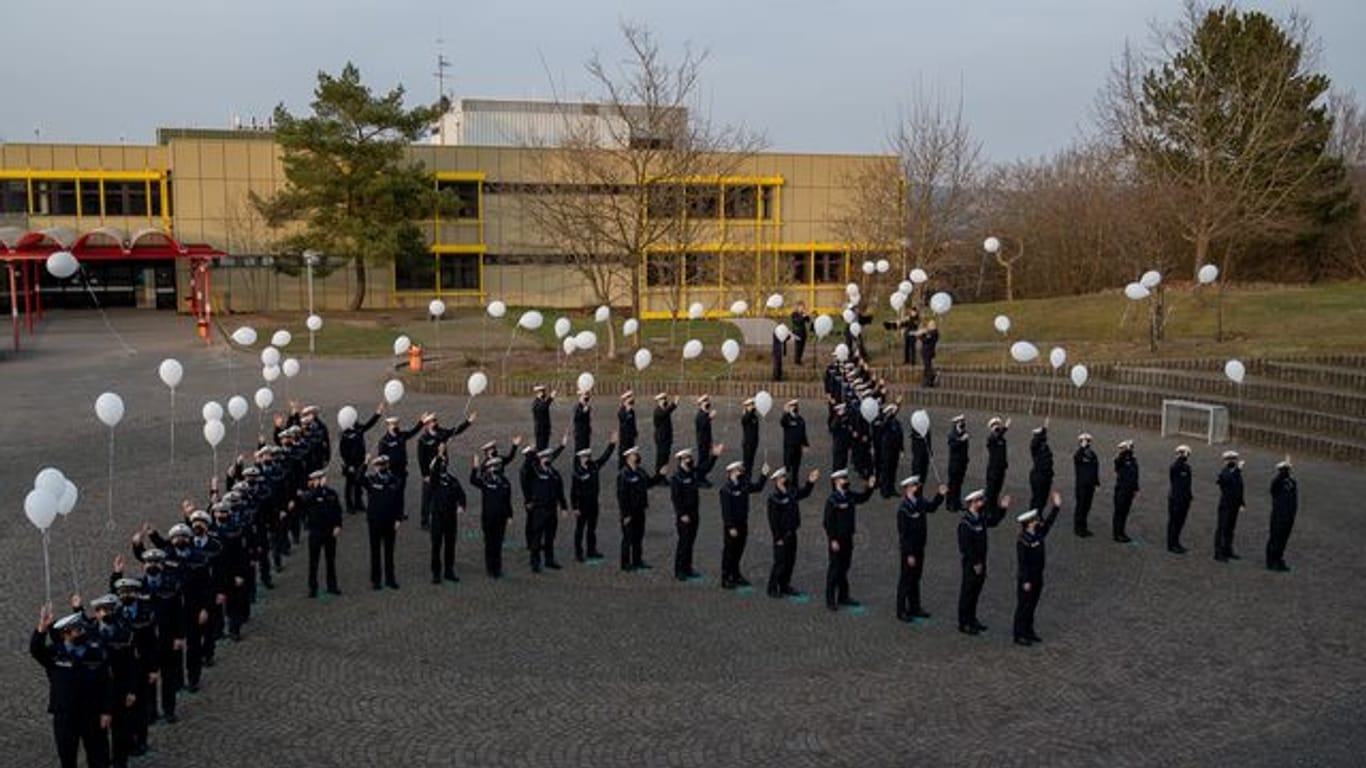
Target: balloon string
<point x="172" y="426"/>
<point x="109" y="491"/>
<point x="75" y="575"/>
<point x="110" y="326"/>
<point x="47" y="569"/>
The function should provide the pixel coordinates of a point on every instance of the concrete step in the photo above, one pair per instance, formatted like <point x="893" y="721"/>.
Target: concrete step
<point x="1202" y="385"/>
<point x="1316" y="375"/>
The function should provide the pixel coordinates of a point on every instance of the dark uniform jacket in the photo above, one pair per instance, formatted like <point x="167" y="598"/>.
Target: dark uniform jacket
<point x="395" y="446"/>
<point x="735" y="500"/>
<point x="840" y="519"/>
<point x="429" y="441"/>
<point x="1180" y="480"/>
<point x="912" y="523"/>
<point x="633" y="490"/>
<point x="1285" y="497"/>
<point x="585" y="481"/>
<point x="1086" y="465"/>
<point x="626" y="427"/>
<point x="79" y="682"/>
<point x="1126" y="473"/>
<point x="1030" y="551"/>
<point x="583" y="425"/>
<point x="495" y="496"/>
<point x="1231" y="488"/>
<point x="322" y="511"/>
<point x="384" y="497"/>
<point x="784" y="517"/>
<point x="683" y="488"/>
<point x="794" y="432"/>
<point x="664" y="423"/>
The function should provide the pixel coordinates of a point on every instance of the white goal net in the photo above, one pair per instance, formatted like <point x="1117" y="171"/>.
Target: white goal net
<point x="1203" y="420"/>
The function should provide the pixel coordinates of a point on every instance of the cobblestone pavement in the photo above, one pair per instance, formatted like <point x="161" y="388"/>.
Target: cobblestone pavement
<point x="1150" y="659"/>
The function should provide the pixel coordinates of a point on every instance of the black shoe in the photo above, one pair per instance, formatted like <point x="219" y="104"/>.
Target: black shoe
<point x="535" y="567"/>
<point x="775" y="592"/>
<point x="391" y="584"/>
<point x="1221" y="558"/>
<point x="1034" y="638"/>
<point x="268" y="584"/>
<point x="979" y="626"/>
<point x="1234" y="556"/>
<point x="208" y="661"/>
<point x="1083" y="533"/>
<point x="333" y="591"/>
<point x="693" y="574"/>
<point x="236" y="637"/>
<point x="193" y="688"/>
<point x="436" y="579"/>
<point x="727" y="584"/>
<point x="627" y="568"/>
<point x="680" y="576"/>
<point x="578" y="557"/>
<point x="903" y="616"/>
<point x="968" y="629"/>
<point x="741" y="581"/>
<point x="644" y="566"/>
<point x="375" y="585"/>
<point x="452" y="577"/>
<point x="553" y="565"/>
<point x="920" y="614"/>
<point x="1278" y="567"/>
<point x="850" y="602"/>
<point x="1122" y="539"/>
<point x="595" y="555"/>
<point x="1176" y="549"/>
<point x="1023" y="641"/>
<point x="312" y="593"/>
<point x="832" y="607"/>
<point x="425" y="525"/>
<point x="171" y="719"/>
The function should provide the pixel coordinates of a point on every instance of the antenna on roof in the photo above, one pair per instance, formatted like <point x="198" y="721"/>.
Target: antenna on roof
<point x="442" y="64"/>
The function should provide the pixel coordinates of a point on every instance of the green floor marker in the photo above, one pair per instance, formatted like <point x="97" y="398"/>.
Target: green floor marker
<point x="799" y="599"/>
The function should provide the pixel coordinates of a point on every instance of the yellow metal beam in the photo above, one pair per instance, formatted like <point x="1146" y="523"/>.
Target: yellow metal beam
<point x="74" y="175"/>
<point x="460" y="175"/>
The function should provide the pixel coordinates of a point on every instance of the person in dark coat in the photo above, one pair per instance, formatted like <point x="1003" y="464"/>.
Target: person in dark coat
<point x="1029" y="567"/>
<point x="912" y="527"/>
<point x="702" y="425"/>
<point x="799" y="320"/>
<point x="921" y="449"/>
<point x="735" y="493"/>
<point x="584" y="491"/>
<point x="116" y="636"/>
<point x="840" y="522"/>
<point x="972" y="549"/>
<point x="779" y="348"/>
<point x="929" y="350"/>
<point x="383" y="515"/>
<point x="1041" y="467"/>
<point x="136" y="611"/>
<point x="1231" y="505"/>
<point x="351" y="447"/>
<point x="663" y="420"/>
<point x="1126" y="489"/>
<point x="322" y="514"/>
<point x="393" y="445"/>
<point x="841" y="437"/>
<point x="683" y="492"/>
<point x="448" y="503"/>
<point x="958" y="462"/>
<point x="495" y="509"/>
<point x="80" y="688"/>
<point x="1179" y="496"/>
<point x="431" y="439"/>
<point x="997" y="460"/>
<point x="749" y="434"/>
<point x="583" y="421"/>
<point x="626" y="426"/>
<point x="633" y="501"/>
<point x="784" y="519"/>
<point x="1086" y="470"/>
<point x="167" y="602"/>
<point x="540" y="415"/>
<point x="1285" y="504"/>
<point x="795" y="441"/>
<point x="546" y="502"/>
<point x="910" y="331"/>
<point x="891" y="442"/>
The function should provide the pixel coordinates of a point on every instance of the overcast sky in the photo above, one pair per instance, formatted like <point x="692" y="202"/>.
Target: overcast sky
<point x="813" y="76"/>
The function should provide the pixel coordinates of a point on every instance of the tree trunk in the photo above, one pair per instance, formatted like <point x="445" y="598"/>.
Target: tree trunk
<point x="635" y="289"/>
<point x="358" y="293"/>
<point x="1201" y="254"/>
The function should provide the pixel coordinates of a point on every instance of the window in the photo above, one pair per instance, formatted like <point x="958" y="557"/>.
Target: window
<point x="704" y="202"/>
<point x="828" y="266"/>
<point x="414" y="270"/>
<point x="666" y="201"/>
<point x="661" y="269"/>
<point x="155" y="199"/>
<point x="54" y="198"/>
<point x="766" y="198"/>
<point x="126" y="198"/>
<point x="798" y="267"/>
<point x="459" y="272"/>
<point x="90" y="198"/>
<point x="459" y="199"/>
<point x="703" y="269"/>
<point x="742" y="202"/>
<point x="14" y="196"/>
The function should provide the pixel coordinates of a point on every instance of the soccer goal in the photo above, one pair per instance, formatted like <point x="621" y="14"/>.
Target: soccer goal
<point x="1187" y="417"/>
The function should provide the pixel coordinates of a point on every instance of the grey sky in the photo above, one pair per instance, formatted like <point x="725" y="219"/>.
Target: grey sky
<point x="814" y="76"/>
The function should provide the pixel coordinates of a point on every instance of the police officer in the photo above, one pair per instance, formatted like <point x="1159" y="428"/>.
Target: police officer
<point x="1179" y="496"/>
<point x="584" y="491"/>
<point x="233" y="568"/>
<point x="351" y="447"/>
<point x="891" y="441"/>
<point x="196" y="585"/>
<point x="799" y="320"/>
<point x="1126" y="488"/>
<point x="431" y="439"/>
<point x="1086" y="470"/>
<point x="546" y="501"/>
<point x="322" y="515"/>
<point x="626" y="426"/>
<point x="784" y="520"/>
<point x="138" y="614"/>
<point x="663" y="419"/>
<point x="840" y="523"/>
<point x="912" y="526"/>
<point x="393" y="445"/>
<point x="495" y="509"/>
<point x="749" y="433"/>
<point x="80" y="689"/>
<point x="734" y="494"/>
<point x="910" y="333"/>
<point x="929" y="350"/>
<point x="997" y="460"/>
<point x="633" y="499"/>
<point x="162" y="587"/>
<point x="583" y="421"/>
<point x="1230" y="506"/>
<point x="210" y="547"/>
<point x="1029" y="567"/>
<point x="921" y="448"/>
<point x="448" y="503"/>
<point x="1285" y="502"/>
<point x="1041" y="467"/>
<point x="795" y="441"/>
<point x="683" y="492"/>
<point x="972" y="549"/>
<point x="779" y="346"/>
<point x="115" y="636"/>
<point x="383" y="515"/>
<point x="702" y="425"/>
<point x="841" y="437"/>
<point x="958" y="462"/>
<point x="541" y="401"/>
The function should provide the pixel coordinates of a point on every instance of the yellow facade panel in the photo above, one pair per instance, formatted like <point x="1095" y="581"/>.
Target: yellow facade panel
<point x="211" y="160"/>
<point x="236" y="160"/>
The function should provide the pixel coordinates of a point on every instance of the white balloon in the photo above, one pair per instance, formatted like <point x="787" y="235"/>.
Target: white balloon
<point x="920" y="422"/>
<point x="1235" y="371"/>
<point x="61" y="265"/>
<point x="630" y="327"/>
<point x="67" y="501"/>
<point x="497" y="309"/>
<point x="1002" y="324"/>
<point x="213" y="433"/>
<point x="1208" y="274"/>
<point x="1023" y="352"/>
<point x="347" y="417"/>
<point x="237" y="407"/>
<point x="852" y="290"/>
<point x="730" y="350"/>
<point x="50" y="479"/>
<point x="991" y="245"/>
<point x="40" y="508"/>
<point x="270" y="356"/>
<point x="212" y="411"/>
<point x="739" y="307"/>
<point x="941" y="303"/>
<point x="1057" y="357"/>
<point x="1080" y="375"/>
<point x="1135" y="291"/>
<point x="1150" y="279"/>
<point x="586" y="381"/>
<point x="585" y="339"/>
<point x="642" y="359"/>
<point x="868" y="408"/>
<point x="854" y="300"/>
<point x="531" y="320"/>
<point x="569" y="345"/>
<point x="393" y="391"/>
<point x="563" y="327"/>
<point x="109" y="409"/>
<point x="696" y="310"/>
<point x="883" y="266"/>
<point x="848" y="316"/>
<point x="869" y="267"/>
<point x="477" y="383"/>
<point x="782" y="332"/>
<point x="823" y="326"/>
<point x="763" y="402"/>
<point x="906" y="287"/>
<point x="601" y="314"/>
<point x="281" y="338"/>
<point x="270" y="373"/>
<point x="919" y="276"/>
<point x="692" y="349"/>
<point x="246" y="336"/>
<point x="436" y="308"/>
<point x="290" y="367"/>
<point x="263" y="398"/>
<point x="775" y="301"/>
<point x="898" y="301"/>
<point x="171" y="372"/>
<point x="856" y="329"/>
<point x="314" y="323"/>
<point x="841" y="352"/>
<point x="402" y="344"/>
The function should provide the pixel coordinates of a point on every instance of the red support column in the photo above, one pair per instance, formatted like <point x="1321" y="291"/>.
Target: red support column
<point x="28" y="297"/>
<point x="14" y="302"/>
